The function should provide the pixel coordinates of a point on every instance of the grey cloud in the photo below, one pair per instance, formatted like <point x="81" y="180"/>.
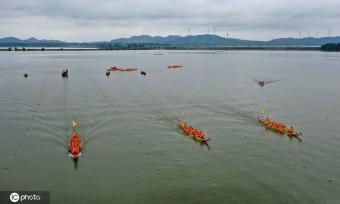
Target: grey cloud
<point x="96" y="19"/>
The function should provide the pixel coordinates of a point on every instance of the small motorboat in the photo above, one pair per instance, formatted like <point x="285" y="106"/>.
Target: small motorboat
<point x="264" y="82"/>
<point x="64" y="73"/>
<point x="142" y="72"/>
<point x="25" y="75"/>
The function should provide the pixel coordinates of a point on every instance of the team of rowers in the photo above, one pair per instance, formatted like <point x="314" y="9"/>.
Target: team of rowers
<point x="278" y="126"/>
<point x="191" y="131"/>
<point x="75" y="144"/>
<point x="281" y="128"/>
<point x="75" y="147"/>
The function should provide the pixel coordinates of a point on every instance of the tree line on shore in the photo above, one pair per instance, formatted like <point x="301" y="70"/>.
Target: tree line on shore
<point x="151" y="46"/>
<point x="335" y="47"/>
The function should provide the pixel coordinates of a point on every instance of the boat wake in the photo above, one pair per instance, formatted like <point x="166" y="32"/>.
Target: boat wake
<point x="240" y="114"/>
<point x="267" y="81"/>
<point x="74" y="156"/>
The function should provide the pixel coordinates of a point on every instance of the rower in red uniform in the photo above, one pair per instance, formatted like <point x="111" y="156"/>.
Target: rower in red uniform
<point x="291" y="131"/>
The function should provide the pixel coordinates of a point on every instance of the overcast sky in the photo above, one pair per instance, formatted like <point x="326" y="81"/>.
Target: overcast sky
<point x="92" y="20"/>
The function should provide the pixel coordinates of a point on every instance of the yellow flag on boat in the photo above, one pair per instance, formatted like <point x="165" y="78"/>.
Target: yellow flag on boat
<point x="264" y="111"/>
<point x="74" y="123"/>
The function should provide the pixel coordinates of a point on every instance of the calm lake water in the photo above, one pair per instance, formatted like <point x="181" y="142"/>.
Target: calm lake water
<point x="133" y="150"/>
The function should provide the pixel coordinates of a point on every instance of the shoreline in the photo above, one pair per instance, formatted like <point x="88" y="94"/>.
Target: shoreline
<point x="278" y="48"/>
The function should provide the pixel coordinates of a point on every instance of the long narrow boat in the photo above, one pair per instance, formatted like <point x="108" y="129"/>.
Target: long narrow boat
<point x="193" y="132"/>
<point x="130" y="69"/>
<point x="75" y="146"/>
<point x="117" y="69"/>
<point x="174" y="66"/>
<point x="279" y="128"/>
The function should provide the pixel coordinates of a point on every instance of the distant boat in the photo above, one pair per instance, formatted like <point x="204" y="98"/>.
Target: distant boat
<point x="264" y="82"/>
<point x="114" y="68"/>
<point x="129" y="69"/>
<point x="174" y="66"/>
<point x="261" y="83"/>
<point x="64" y="73"/>
<point x="142" y="72"/>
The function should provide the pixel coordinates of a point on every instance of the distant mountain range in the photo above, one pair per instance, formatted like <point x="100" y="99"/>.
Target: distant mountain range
<point x="197" y="40"/>
<point x="17" y="41"/>
<point x="171" y="41"/>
